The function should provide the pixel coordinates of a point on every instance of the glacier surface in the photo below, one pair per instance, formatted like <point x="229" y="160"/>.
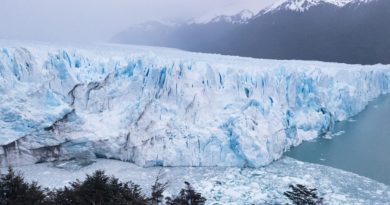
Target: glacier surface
<point x="165" y="107"/>
<point x="227" y="185"/>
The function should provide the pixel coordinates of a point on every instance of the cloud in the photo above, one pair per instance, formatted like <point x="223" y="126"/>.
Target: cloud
<point x="97" y="20"/>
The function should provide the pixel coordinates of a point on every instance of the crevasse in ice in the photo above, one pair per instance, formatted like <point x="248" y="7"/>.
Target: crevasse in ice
<point x="155" y="106"/>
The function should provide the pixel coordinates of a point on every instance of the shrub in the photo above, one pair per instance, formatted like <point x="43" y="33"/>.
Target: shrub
<point x="99" y="189"/>
<point x="96" y="189"/>
<point x="301" y="195"/>
<point x="187" y="196"/>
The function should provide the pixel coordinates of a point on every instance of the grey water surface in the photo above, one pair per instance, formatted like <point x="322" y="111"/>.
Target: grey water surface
<point x="360" y="145"/>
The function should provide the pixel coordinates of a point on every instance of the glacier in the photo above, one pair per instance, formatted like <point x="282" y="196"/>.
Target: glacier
<point x="166" y="107"/>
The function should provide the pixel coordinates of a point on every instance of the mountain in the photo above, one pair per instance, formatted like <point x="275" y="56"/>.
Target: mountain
<point x="347" y="31"/>
<point x="304" y="5"/>
<point x="166" y="107"/>
<point x="239" y="18"/>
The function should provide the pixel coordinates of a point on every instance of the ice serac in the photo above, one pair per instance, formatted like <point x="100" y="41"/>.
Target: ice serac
<point x="164" y="107"/>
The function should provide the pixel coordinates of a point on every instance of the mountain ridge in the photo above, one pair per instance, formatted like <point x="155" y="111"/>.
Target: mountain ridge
<point x="354" y="33"/>
<point x="293" y="5"/>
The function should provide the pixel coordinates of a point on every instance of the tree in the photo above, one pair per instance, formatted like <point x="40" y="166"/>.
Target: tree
<point x="96" y="189"/>
<point x="158" y="189"/>
<point x="187" y="196"/>
<point x="15" y="191"/>
<point x="301" y="195"/>
<point x="99" y="189"/>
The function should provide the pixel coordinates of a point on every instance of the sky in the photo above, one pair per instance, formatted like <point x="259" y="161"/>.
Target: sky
<point x="99" y="20"/>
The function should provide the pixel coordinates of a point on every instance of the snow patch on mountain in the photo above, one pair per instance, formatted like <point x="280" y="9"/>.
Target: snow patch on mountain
<point x="304" y="5"/>
<point x="240" y="18"/>
<point x="239" y="12"/>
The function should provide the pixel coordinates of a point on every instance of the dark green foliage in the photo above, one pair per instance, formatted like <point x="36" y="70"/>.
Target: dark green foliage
<point x="187" y="196"/>
<point x="96" y="189"/>
<point x="15" y="191"/>
<point x="99" y="189"/>
<point x="301" y="195"/>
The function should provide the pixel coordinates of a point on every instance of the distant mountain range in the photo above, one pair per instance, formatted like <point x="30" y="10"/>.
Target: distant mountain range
<point x="347" y="31"/>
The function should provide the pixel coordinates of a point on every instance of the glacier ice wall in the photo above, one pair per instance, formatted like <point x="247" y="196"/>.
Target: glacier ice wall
<point x="164" y="107"/>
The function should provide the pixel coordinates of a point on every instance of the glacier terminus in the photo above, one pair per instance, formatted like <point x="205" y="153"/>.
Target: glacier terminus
<point x="166" y="107"/>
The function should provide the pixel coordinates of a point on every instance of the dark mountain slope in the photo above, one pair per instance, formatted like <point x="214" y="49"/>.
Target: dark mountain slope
<point x="355" y="33"/>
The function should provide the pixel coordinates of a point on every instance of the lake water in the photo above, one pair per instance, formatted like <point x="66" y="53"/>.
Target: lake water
<point x="360" y="145"/>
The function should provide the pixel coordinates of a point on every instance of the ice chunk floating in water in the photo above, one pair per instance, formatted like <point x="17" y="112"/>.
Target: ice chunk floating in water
<point x="155" y="106"/>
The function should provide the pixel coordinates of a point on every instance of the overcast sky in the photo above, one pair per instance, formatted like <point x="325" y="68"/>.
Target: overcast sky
<point x="98" y="20"/>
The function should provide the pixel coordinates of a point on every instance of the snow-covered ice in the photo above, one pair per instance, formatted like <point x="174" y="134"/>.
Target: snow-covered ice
<point x="156" y="106"/>
<point x="228" y="186"/>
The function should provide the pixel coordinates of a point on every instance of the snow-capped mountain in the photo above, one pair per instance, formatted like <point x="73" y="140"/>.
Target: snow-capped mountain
<point x="155" y="106"/>
<point x="348" y="31"/>
<point x="304" y="5"/>
<point x="240" y="18"/>
<point x="245" y="15"/>
<point x="242" y="10"/>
